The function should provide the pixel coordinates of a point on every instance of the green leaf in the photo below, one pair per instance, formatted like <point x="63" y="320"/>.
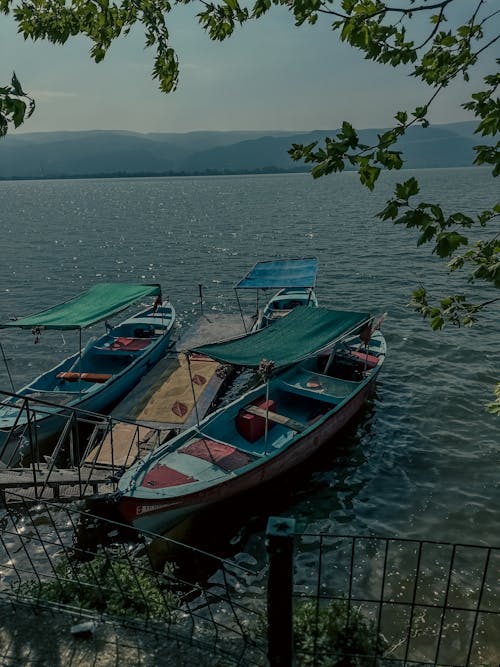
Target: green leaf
<point x="407" y="189"/>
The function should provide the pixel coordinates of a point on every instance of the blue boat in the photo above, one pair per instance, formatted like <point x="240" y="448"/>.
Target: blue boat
<point x="317" y="368"/>
<point x="295" y="280"/>
<point x="95" y="377"/>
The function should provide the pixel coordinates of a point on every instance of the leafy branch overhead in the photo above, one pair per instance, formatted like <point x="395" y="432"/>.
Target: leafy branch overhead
<point x="445" y="54"/>
<point x="388" y="33"/>
<point x="15" y="105"/>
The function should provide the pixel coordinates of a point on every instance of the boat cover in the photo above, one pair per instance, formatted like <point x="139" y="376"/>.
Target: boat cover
<point x="94" y="305"/>
<point x="297" y="336"/>
<point x="281" y="273"/>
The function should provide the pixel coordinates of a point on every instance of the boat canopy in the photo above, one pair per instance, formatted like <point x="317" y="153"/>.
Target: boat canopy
<point x="94" y="305"/>
<point x="281" y="273"/>
<point x="297" y="336"/>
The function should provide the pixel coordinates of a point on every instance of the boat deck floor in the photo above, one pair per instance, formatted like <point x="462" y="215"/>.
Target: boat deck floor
<point x="163" y="399"/>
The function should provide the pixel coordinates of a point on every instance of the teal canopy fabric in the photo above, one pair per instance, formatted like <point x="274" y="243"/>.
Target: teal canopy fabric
<point x="281" y="273"/>
<point x="289" y="340"/>
<point x="99" y="302"/>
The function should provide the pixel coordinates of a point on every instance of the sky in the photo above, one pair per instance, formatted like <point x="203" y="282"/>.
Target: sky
<point x="270" y="75"/>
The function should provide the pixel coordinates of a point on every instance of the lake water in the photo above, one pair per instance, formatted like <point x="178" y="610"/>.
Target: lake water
<point x="422" y="459"/>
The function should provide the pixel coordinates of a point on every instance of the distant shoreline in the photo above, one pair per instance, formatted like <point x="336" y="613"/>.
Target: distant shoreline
<point x="208" y="172"/>
<point x="114" y="154"/>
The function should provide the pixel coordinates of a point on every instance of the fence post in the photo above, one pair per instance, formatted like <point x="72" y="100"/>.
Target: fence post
<point x="279" y="544"/>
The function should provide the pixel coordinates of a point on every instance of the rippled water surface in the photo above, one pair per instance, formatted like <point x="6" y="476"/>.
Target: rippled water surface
<point x="422" y="459"/>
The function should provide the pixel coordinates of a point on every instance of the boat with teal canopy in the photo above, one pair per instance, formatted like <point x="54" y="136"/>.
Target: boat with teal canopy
<point x="295" y="280"/>
<point x="315" y="370"/>
<point x="99" y="374"/>
<point x="305" y="332"/>
<point x="96" y="304"/>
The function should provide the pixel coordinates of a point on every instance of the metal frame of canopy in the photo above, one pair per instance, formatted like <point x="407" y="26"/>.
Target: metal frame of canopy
<point x="85" y="309"/>
<point x="298" y="272"/>
<point x="342" y="324"/>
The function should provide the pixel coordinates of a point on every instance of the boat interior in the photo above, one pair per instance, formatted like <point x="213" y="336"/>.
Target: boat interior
<point x="296" y="400"/>
<point x="270" y="419"/>
<point x="103" y="358"/>
<point x="236" y="438"/>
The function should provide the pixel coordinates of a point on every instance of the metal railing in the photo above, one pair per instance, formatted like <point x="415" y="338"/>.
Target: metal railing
<point x="61" y="558"/>
<point x="86" y="441"/>
<point x="421" y="602"/>
<point x="323" y="599"/>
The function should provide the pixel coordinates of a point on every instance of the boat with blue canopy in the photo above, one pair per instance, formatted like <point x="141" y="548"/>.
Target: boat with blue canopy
<point x="315" y="369"/>
<point x="99" y="374"/>
<point x="295" y="280"/>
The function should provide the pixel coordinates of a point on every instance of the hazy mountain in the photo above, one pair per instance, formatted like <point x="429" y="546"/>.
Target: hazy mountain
<point x="66" y="154"/>
<point x="204" y="140"/>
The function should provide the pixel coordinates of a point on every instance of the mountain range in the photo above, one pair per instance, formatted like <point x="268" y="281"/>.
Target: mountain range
<point x="121" y="153"/>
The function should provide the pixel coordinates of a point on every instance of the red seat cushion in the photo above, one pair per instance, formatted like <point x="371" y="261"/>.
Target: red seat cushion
<point x="161" y="477"/>
<point x="225" y="456"/>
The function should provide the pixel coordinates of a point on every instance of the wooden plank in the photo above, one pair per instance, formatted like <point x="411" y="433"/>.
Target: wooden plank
<point x="213" y="328"/>
<point x="275" y="417"/>
<point x="59" y="493"/>
<point x="120" y="446"/>
<point x="23" y="477"/>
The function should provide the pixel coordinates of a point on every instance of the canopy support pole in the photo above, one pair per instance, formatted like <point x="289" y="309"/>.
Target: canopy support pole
<point x="192" y="390"/>
<point x="80" y="358"/>
<point x="7" y="368"/>
<point x="200" y="289"/>
<point x="330" y="359"/>
<point x="266" y="424"/>
<point x="241" y="311"/>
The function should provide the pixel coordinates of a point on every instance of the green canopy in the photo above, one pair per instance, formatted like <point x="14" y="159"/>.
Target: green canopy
<point x="288" y="340"/>
<point x="94" y="305"/>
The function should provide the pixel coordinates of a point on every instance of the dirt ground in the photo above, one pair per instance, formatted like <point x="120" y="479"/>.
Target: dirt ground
<point x="32" y="637"/>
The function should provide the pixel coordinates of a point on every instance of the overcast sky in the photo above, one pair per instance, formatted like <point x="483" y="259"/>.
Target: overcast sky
<point x="269" y="76"/>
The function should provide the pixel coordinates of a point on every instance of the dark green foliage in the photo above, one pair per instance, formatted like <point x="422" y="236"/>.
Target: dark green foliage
<point x="15" y="105"/>
<point x="106" y="586"/>
<point x="335" y="635"/>
<point x="382" y="31"/>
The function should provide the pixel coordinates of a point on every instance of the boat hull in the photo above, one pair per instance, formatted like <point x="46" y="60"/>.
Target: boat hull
<point x="158" y="515"/>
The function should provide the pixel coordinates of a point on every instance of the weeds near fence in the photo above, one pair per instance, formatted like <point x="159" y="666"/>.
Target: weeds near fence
<point x="113" y="587"/>
<point x="128" y="578"/>
<point x="334" y="634"/>
<point x="418" y="602"/>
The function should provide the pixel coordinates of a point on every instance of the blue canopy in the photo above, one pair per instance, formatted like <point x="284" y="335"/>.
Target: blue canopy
<point x="280" y="273"/>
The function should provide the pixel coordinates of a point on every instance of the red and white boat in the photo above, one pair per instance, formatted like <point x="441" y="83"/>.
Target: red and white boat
<point x="317" y="368"/>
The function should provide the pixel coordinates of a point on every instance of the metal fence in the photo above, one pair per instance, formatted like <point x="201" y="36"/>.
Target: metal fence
<point x="64" y="559"/>
<point x="81" y="434"/>
<point x="396" y="602"/>
<point x="322" y="600"/>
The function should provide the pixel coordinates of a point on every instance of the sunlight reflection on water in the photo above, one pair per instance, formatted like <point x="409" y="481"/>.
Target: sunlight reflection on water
<point x="421" y="459"/>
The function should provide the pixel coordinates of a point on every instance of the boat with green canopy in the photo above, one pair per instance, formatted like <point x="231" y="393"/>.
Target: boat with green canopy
<point x="315" y="369"/>
<point x="99" y="374"/>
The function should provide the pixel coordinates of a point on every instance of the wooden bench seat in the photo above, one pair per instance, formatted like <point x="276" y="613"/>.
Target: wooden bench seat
<point x="275" y="417"/>
<point x="71" y="376"/>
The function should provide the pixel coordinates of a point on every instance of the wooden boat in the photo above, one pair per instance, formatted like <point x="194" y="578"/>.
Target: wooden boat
<point x="282" y="303"/>
<point x="322" y="366"/>
<point x="98" y="375"/>
<point x="295" y="280"/>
